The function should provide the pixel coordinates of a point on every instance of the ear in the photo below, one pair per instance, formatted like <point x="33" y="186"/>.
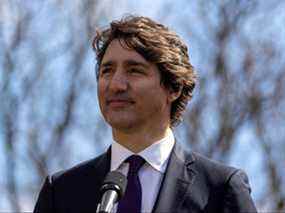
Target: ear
<point x="173" y="95"/>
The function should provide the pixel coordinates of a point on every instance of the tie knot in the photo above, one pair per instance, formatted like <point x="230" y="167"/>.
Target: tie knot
<point x="135" y="162"/>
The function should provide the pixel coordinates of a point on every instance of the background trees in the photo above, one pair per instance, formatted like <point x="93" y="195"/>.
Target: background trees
<point x="49" y="117"/>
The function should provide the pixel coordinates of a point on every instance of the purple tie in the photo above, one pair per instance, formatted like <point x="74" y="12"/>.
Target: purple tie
<point x="131" y="202"/>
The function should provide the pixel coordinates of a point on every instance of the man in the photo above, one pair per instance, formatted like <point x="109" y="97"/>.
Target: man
<point x="145" y="80"/>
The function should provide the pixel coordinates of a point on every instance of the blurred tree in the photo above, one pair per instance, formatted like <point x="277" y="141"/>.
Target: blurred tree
<point x="47" y="89"/>
<point x="241" y="85"/>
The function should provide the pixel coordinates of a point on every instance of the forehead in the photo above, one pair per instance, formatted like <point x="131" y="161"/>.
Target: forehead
<point x="118" y="51"/>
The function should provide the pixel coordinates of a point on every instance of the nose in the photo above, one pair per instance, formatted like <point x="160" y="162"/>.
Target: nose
<point x="118" y="82"/>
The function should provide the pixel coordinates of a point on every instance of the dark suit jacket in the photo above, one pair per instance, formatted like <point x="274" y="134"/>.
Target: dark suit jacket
<point x="192" y="183"/>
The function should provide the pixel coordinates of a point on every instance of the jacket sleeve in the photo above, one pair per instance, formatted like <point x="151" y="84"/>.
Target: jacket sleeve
<point x="44" y="203"/>
<point x="237" y="198"/>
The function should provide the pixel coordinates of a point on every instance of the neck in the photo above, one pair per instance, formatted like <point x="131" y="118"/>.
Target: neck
<point x="136" y="141"/>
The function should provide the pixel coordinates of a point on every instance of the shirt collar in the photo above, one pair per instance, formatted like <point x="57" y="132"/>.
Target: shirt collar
<point x="156" y="155"/>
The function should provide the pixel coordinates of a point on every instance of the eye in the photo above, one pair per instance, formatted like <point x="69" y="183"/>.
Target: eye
<point x="105" y="71"/>
<point x="135" y="70"/>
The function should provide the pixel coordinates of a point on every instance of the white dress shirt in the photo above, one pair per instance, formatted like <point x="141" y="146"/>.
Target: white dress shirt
<point x="151" y="173"/>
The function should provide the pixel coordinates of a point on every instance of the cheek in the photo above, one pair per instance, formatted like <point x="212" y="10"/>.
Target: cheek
<point x="101" y="87"/>
<point x="100" y="93"/>
<point x="154" y="96"/>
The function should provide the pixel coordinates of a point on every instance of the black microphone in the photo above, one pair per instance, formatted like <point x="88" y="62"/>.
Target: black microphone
<point x="112" y="190"/>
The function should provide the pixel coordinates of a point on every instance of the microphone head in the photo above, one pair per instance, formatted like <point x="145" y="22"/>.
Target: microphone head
<point x="115" y="181"/>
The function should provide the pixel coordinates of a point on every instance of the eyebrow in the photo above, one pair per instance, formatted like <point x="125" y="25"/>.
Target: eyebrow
<point x="129" y="62"/>
<point x="107" y="63"/>
<point x="135" y="63"/>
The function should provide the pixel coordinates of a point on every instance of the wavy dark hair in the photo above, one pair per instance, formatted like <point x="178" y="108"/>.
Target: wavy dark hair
<point x="159" y="45"/>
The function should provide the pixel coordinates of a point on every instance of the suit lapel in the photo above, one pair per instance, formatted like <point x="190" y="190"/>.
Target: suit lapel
<point x="93" y="181"/>
<point x="102" y="165"/>
<point x="176" y="183"/>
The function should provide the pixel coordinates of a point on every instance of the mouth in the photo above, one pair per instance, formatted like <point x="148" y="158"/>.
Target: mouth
<point x="119" y="102"/>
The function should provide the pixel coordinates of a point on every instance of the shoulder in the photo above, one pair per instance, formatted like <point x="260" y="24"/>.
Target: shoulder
<point x="207" y="170"/>
<point x="85" y="169"/>
<point x="213" y="170"/>
<point x="229" y="184"/>
<point x="63" y="189"/>
<point x="219" y="175"/>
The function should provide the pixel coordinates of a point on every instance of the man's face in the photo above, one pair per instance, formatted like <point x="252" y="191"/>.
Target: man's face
<point x="129" y="90"/>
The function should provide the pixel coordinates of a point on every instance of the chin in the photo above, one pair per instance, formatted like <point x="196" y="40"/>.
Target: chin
<point x="121" y="124"/>
<point x="122" y="127"/>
